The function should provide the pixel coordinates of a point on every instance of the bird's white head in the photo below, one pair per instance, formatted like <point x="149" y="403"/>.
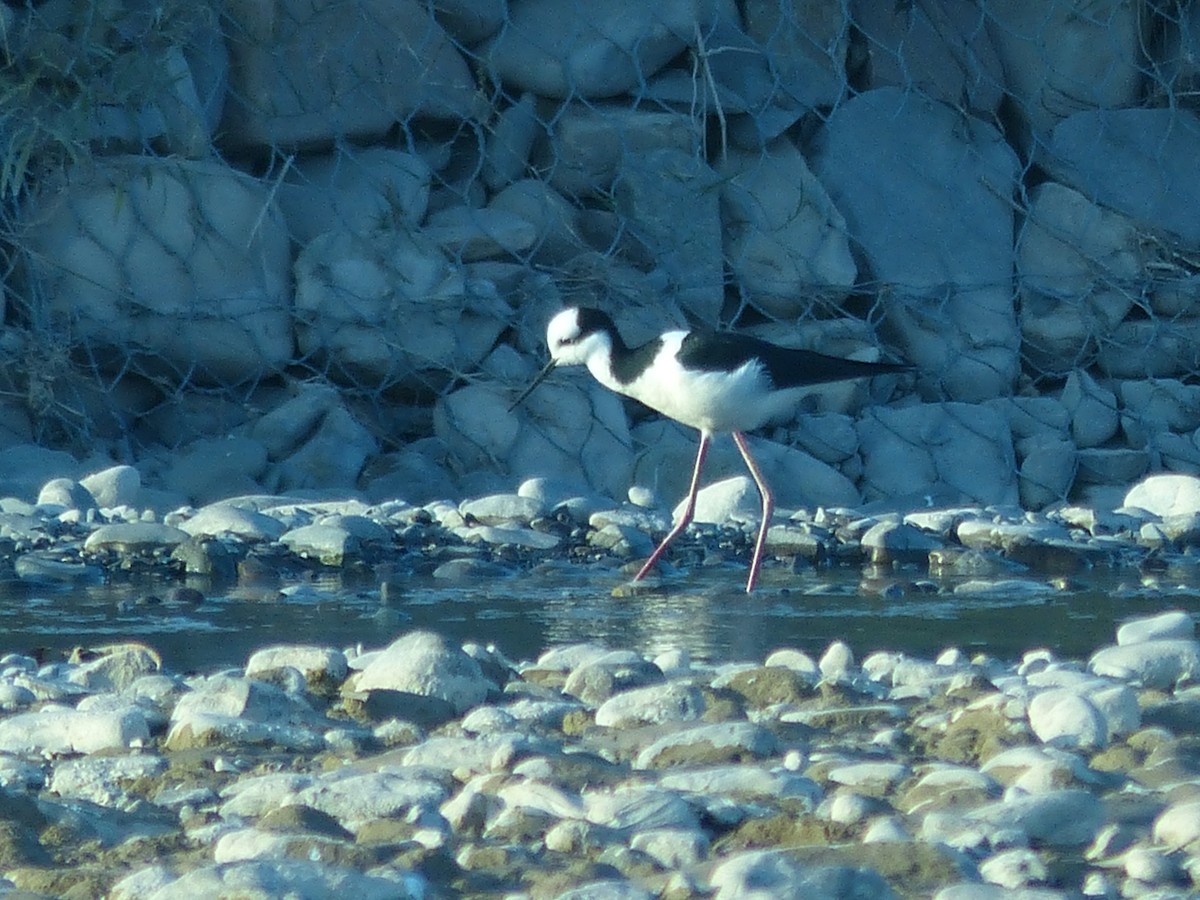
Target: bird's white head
<point x="577" y="334"/>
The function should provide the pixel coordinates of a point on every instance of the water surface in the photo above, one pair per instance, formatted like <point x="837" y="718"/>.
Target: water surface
<point x="705" y="612"/>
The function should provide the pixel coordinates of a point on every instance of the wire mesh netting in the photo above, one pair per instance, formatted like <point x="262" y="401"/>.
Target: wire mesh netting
<point x="294" y="243"/>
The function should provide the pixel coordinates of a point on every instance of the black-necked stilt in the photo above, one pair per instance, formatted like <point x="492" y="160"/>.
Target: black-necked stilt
<point x="712" y="381"/>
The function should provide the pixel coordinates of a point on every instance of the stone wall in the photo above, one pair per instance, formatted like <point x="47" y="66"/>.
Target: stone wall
<point x="302" y="244"/>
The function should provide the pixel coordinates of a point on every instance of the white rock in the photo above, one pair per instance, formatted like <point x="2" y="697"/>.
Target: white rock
<point x="598" y="679"/>
<point x="1036" y="768"/>
<point x="807" y="48"/>
<point x="758" y="875"/>
<point x="488" y="720"/>
<point x="1061" y="818"/>
<point x="1014" y="868"/>
<point x="314" y="663"/>
<point x="606" y="890"/>
<point x="20" y="775"/>
<point x="1165" y="495"/>
<point x="1153" y="663"/>
<point x="56" y="730"/>
<point x="250" y="843"/>
<point x="741" y="781"/>
<point x="256" y="795"/>
<point x="886" y="830"/>
<point x="67" y="494"/>
<point x="328" y="544"/>
<point x="134" y="536"/>
<point x="15" y="696"/>
<point x="424" y="663"/>
<point x="502" y="509"/>
<point x="1171" y="625"/>
<point x="729" y="500"/>
<point x="975" y="891"/>
<point x="796" y="660"/>
<point x="1151" y="409"/>
<point x="847" y="808"/>
<point x="575" y="431"/>
<point x="209" y="469"/>
<point x="271" y="878"/>
<point x="542" y="797"/>
<point x="114" y="667"/>
<point x="1117" y="466"/>
<point x="1048" y="469"/>
<point x="570" y="657"/>
<point x="589" y="143"/>
<point x="104" y="780"/>
<point x="738" y="739"/>
<point x="391" y="308"/>
<point x="222" y="518"/>
<point x="1175" y="348"/>
<point x="331" y="456"/>
<point x="869" y="774"/>
<point x="355" y="799"/>
<point x="227" y="705"/>
<point x="114" y="486"/>
<point x="672" y="848"/>
<point x="767" y="874"/>
<point x="638" y="808"/>
<point x="1118" y="704"/>
<point x="837" y="662"/>
<point x="517" y="537"/>
<point x="469" y="234"/>
<point x="651" y="705"/>
<point x="1178" y="826"/>
<point x="1149" y="865"/>
<point x="1065" y="718"/>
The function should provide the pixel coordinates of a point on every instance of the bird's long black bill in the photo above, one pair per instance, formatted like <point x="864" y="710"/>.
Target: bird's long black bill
<point x="541" y="376"/>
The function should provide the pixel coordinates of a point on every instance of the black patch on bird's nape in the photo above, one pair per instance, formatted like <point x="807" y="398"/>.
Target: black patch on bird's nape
<point x="592" y="321"/>
<point x="626" y="363"/>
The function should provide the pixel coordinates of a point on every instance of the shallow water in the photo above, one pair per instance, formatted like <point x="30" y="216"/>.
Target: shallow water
<point x="704" y="612"/>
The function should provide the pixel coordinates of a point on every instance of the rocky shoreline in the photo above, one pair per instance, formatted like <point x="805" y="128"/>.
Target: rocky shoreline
<point x="425" y="769"/>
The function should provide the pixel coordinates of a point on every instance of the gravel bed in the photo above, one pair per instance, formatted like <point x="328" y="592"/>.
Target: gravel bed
<point x="426" y="769"/>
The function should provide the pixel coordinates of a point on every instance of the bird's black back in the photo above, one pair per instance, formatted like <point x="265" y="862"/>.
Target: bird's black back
<point x="786" y="367"/>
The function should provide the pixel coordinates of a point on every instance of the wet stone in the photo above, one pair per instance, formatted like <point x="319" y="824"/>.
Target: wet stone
<point x="770" y="685"/>
<point x="708" y="745"/>
<point x="608" y="674"/>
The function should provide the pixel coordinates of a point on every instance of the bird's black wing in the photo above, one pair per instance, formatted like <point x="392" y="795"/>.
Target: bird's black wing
<point x="786" y="367"/>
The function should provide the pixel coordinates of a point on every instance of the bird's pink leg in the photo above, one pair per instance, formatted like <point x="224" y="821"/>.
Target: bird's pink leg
<point x="768" y="507"/>
<point x="688" y="511"/>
